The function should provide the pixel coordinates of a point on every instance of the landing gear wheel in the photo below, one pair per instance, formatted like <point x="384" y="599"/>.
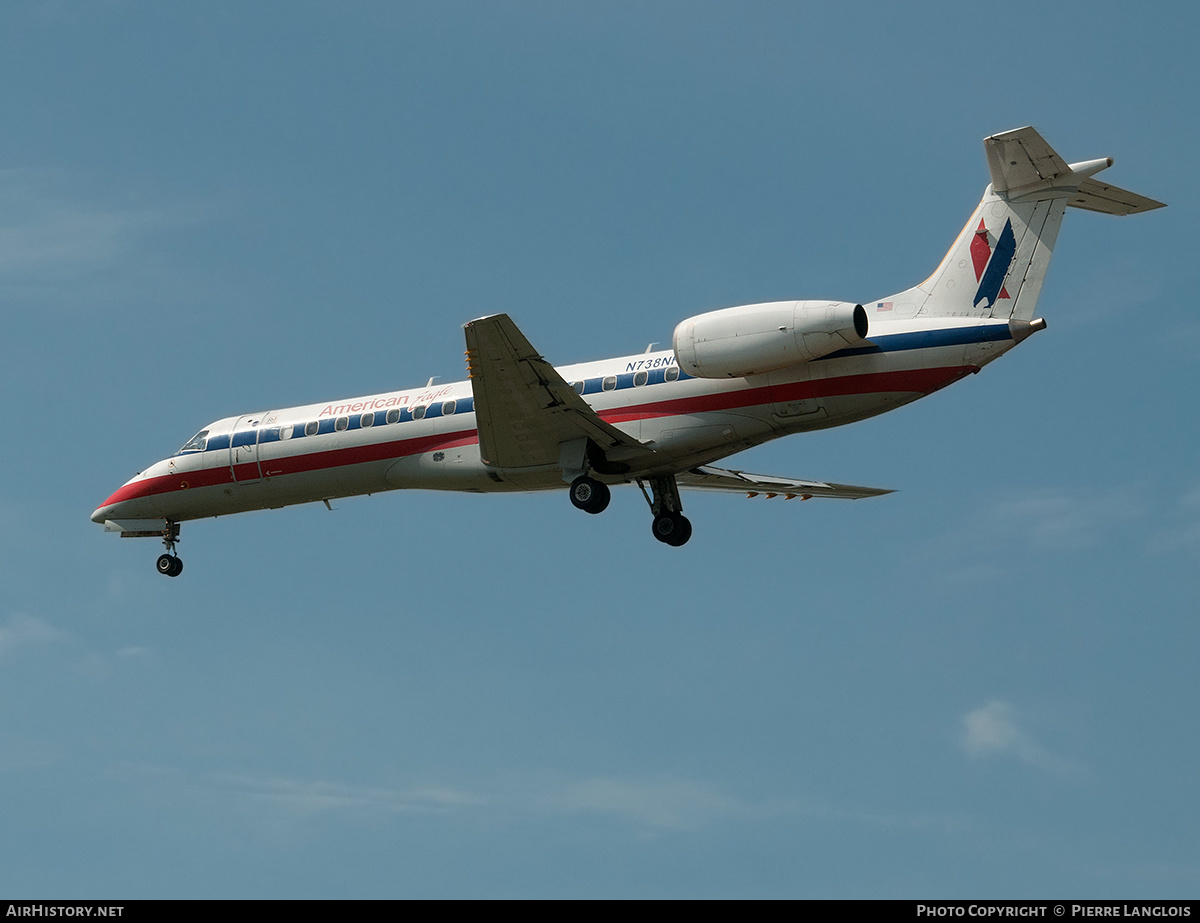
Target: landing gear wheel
<point x="672" y="528"/>
<point x="589" y="495"/>
<point x="169" y="565"/>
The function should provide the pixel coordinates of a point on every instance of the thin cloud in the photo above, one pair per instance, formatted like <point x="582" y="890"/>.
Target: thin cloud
<point x="26" y="631"/>
<point x="670" y="804"/>
<point x="1184" y="531"/>
<point x="667" y="804"/>
<point x="993" y="731"/>
<point x="1068" y="520"/>
<point x="53" y="237"/>
<point x="280" y="808"/>
<point x="647" y="806"/>
<point x="24" y="755"/>
<point x="302" y="797"/>
<point x="1045" y="520"/>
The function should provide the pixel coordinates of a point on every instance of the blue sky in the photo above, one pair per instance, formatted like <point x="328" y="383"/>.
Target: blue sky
<point x="982" y="685"/>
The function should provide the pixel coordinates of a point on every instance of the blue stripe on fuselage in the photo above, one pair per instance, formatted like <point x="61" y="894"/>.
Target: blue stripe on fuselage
<point x="895" y="342"/>
<point x="926" y="339"/>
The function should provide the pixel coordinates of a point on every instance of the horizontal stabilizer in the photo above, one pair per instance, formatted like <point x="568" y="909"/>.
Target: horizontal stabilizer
<point x="1022" y="157"/>
<point x="710" y="478"/>
<point x="1111" y="200"/>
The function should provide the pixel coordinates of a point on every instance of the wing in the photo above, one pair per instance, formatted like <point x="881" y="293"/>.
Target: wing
<point x="524" y="409"/>
<point x="710" y="478"/>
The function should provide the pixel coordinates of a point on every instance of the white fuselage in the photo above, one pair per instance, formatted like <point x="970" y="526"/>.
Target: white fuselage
<point x="426" y="437"/>
<point x="736" y="377"/>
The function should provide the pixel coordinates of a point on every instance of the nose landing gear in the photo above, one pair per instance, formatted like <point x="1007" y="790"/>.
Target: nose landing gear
<point x="170" y="563"/>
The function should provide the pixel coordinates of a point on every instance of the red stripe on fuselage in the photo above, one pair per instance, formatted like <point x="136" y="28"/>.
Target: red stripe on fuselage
<point x="924" y="381"/>
<point x="311" y="461"/>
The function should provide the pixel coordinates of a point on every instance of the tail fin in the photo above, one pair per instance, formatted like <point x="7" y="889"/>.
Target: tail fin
<point x="998" y="263"/>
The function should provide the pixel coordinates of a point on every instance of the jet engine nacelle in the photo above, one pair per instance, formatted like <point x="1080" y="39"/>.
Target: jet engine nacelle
<point x="756" y="338"/>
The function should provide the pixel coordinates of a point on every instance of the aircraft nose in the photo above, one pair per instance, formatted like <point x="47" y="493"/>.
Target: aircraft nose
<point x="137" y="498"/>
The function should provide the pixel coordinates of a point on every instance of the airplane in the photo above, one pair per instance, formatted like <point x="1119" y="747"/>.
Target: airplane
<point x="735" y="378"/>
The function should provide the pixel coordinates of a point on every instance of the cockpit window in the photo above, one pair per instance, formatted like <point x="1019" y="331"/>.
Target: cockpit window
<point x="197" y="442"/>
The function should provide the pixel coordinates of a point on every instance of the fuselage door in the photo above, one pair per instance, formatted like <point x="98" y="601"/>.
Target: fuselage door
<point x="243" y="450"/>
<point x="794" y="404"/>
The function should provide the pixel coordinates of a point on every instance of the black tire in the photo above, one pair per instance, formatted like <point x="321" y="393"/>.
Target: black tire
<point x="589" y="495"/>
<point x="664" y="527"/>
<point x="672" y="529"/>
<point x="165" y="564"/>
<point x="176" y="569"/>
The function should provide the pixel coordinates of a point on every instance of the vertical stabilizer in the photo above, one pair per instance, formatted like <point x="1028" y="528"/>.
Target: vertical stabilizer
<point x="997" y="265"/>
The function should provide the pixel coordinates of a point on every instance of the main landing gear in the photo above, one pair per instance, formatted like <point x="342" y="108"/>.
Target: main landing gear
<point x="672" y="528"/>
<point x="170" y="563"/>
<point x="589" y="495"/>
<point x="669" y="526"/>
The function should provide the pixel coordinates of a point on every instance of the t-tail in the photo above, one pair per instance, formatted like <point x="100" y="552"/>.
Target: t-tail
<point x="997" y="265"/>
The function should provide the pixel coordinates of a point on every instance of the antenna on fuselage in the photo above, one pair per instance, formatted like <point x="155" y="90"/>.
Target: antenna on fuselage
<point x="429" y="384"/>
<point x="650" y="347"/>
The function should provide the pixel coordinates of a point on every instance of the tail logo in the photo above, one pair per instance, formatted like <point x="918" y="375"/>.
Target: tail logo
<point x="991" y="266"/>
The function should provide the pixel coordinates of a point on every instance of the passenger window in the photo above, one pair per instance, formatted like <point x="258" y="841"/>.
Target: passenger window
<point x="418" y="412"/>
<point x="341" y="424"/>
<point x="311" y="429"/>
<point x="610" y="383"/>
<point x="393" y="416"/>
<point x="367" y="419"/>
<point x="285" y="431"/>
<point x="448" y="407"/>
<point x="672" y="374"/>
<point x="640" y="378"/>
<point x="197" y="442"/>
